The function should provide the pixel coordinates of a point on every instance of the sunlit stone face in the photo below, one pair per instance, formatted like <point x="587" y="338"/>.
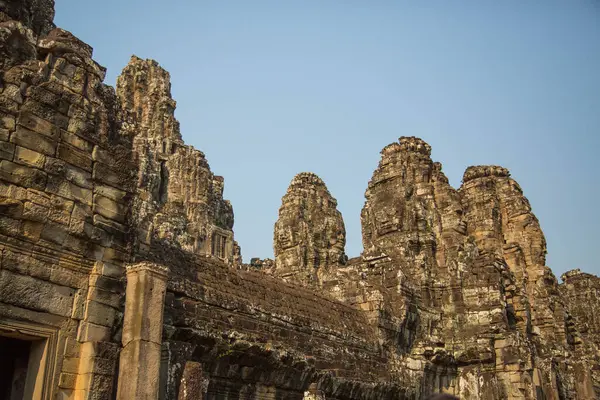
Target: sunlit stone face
<point x="398" y="197"/>
<point x="309" y="233"/>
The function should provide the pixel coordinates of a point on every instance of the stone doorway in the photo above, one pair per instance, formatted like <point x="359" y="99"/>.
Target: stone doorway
<point x="13" y="368"/>
<point x="24" y="354"/>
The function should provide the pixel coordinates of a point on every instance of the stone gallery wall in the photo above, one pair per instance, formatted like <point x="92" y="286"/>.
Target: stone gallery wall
<point x="120" y="275"/>
<point x="65" y="191"/>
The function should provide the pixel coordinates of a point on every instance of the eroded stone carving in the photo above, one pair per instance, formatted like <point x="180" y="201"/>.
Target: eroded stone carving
<point x="310" y="236"/>
<point x="451" y="293"/>
<point x="179" y="199"/>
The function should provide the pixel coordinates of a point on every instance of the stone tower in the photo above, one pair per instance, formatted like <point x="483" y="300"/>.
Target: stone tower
<point x="310" y="236"/>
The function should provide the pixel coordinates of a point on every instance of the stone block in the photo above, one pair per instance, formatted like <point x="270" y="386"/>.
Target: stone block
<point x="36" y="124"/>
<point x="111" y="192"/>
<point x="80" y="125"/>
<point x="57" y="185"/>
<point x="103" y="156"/>
<point x="67" y="380"/>
<point x="113" y="255"/>
<point x="102" y="296"/>
<point x="74" y="157"/>
<point x="109" y="269"/>
<point x="39" y="197"/>
<point x="77" y="142"/>
<point x="7" y="150"/>
<point x="8" y="104"/>
<point x="69" y="394"/>
<point x="70" y="365"/>
<point x="54" y="232"/>
<point x="114" y="230"/>
<point x="70" y="173"/>
<point x="97" y="235"/>
<point x="77" y="227"/>
<point x="68" y="277"/>
<point x="31" y="293"/>
<point x="13" y="92"/>
<point x="89" y="332"/>
<point x="79" y="303"/>
<point x="34" y="141"/>
<point x="8" y="122"/>
<point x="10" y="226"/>
<point x="59" y="216"/>
<point x="101" y="349"/>
<point x="35" y="212"/>
<point x="109" y="208"/>
<point x="106" y="283"/>
<point x="81" y="211"/>
<point x="77" y="245"/>
<point x="95" y="251"/>
<point x="29" y="157"/>
<point x="94" y="387"/>
<point x="40" y="95"/>
<point x="105" y="174"/>
<point x="99" y="314"/>
<point x="44" y="111"/>
<point x="96" y="365"/>
<point x="32" y="230"/>
<point x="22" y="175"/>
<point x="11" y="207"/>
<point x="72" y="347"/>
<point x="23" y="265"/>
<point x="12" y="191"/>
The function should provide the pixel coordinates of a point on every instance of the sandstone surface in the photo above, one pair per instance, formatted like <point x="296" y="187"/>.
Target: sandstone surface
<point x="310" y="236"/>
<point x="120" y="276"/>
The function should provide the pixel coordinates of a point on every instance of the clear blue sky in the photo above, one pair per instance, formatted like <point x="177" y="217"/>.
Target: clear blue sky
<point x="268" y="89"/>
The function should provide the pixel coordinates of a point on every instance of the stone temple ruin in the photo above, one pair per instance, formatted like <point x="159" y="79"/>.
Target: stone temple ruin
<point x="120" y="276"/>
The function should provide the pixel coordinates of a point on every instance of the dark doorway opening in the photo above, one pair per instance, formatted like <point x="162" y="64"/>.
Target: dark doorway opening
<point x="14" y="356"/>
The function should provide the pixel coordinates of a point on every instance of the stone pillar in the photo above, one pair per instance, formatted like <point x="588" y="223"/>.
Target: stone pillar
<point x="139" y="367"/>
<point x="193" y="384"/>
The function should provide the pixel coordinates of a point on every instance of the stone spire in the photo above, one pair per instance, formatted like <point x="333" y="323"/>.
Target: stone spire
<point x="179" y="199"/>
<point x="309" y="236"/>
<point x="399" y="215"/>
<point x="500" y="219"/>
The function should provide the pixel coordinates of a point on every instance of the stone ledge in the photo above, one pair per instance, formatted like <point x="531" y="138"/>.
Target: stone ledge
<point x="148" y="266"/>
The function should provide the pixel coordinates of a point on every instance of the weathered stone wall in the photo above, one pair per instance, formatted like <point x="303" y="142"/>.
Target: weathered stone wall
<point x="451" y="293"/>
<point x="251" y="332"/>
<point x="65" y="188"/>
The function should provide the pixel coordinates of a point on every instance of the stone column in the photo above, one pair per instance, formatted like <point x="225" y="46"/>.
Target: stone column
<point x="193" y="384"/>
<point x="139" y="367"/>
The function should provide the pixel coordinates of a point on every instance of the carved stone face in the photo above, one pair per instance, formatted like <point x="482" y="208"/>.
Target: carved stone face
<point x="285" y="237"/>
<point x="386" y="222"/>
<point x="335" y="240"/>
<point x="289" y="258"/>
<point x="309" y="232"/>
